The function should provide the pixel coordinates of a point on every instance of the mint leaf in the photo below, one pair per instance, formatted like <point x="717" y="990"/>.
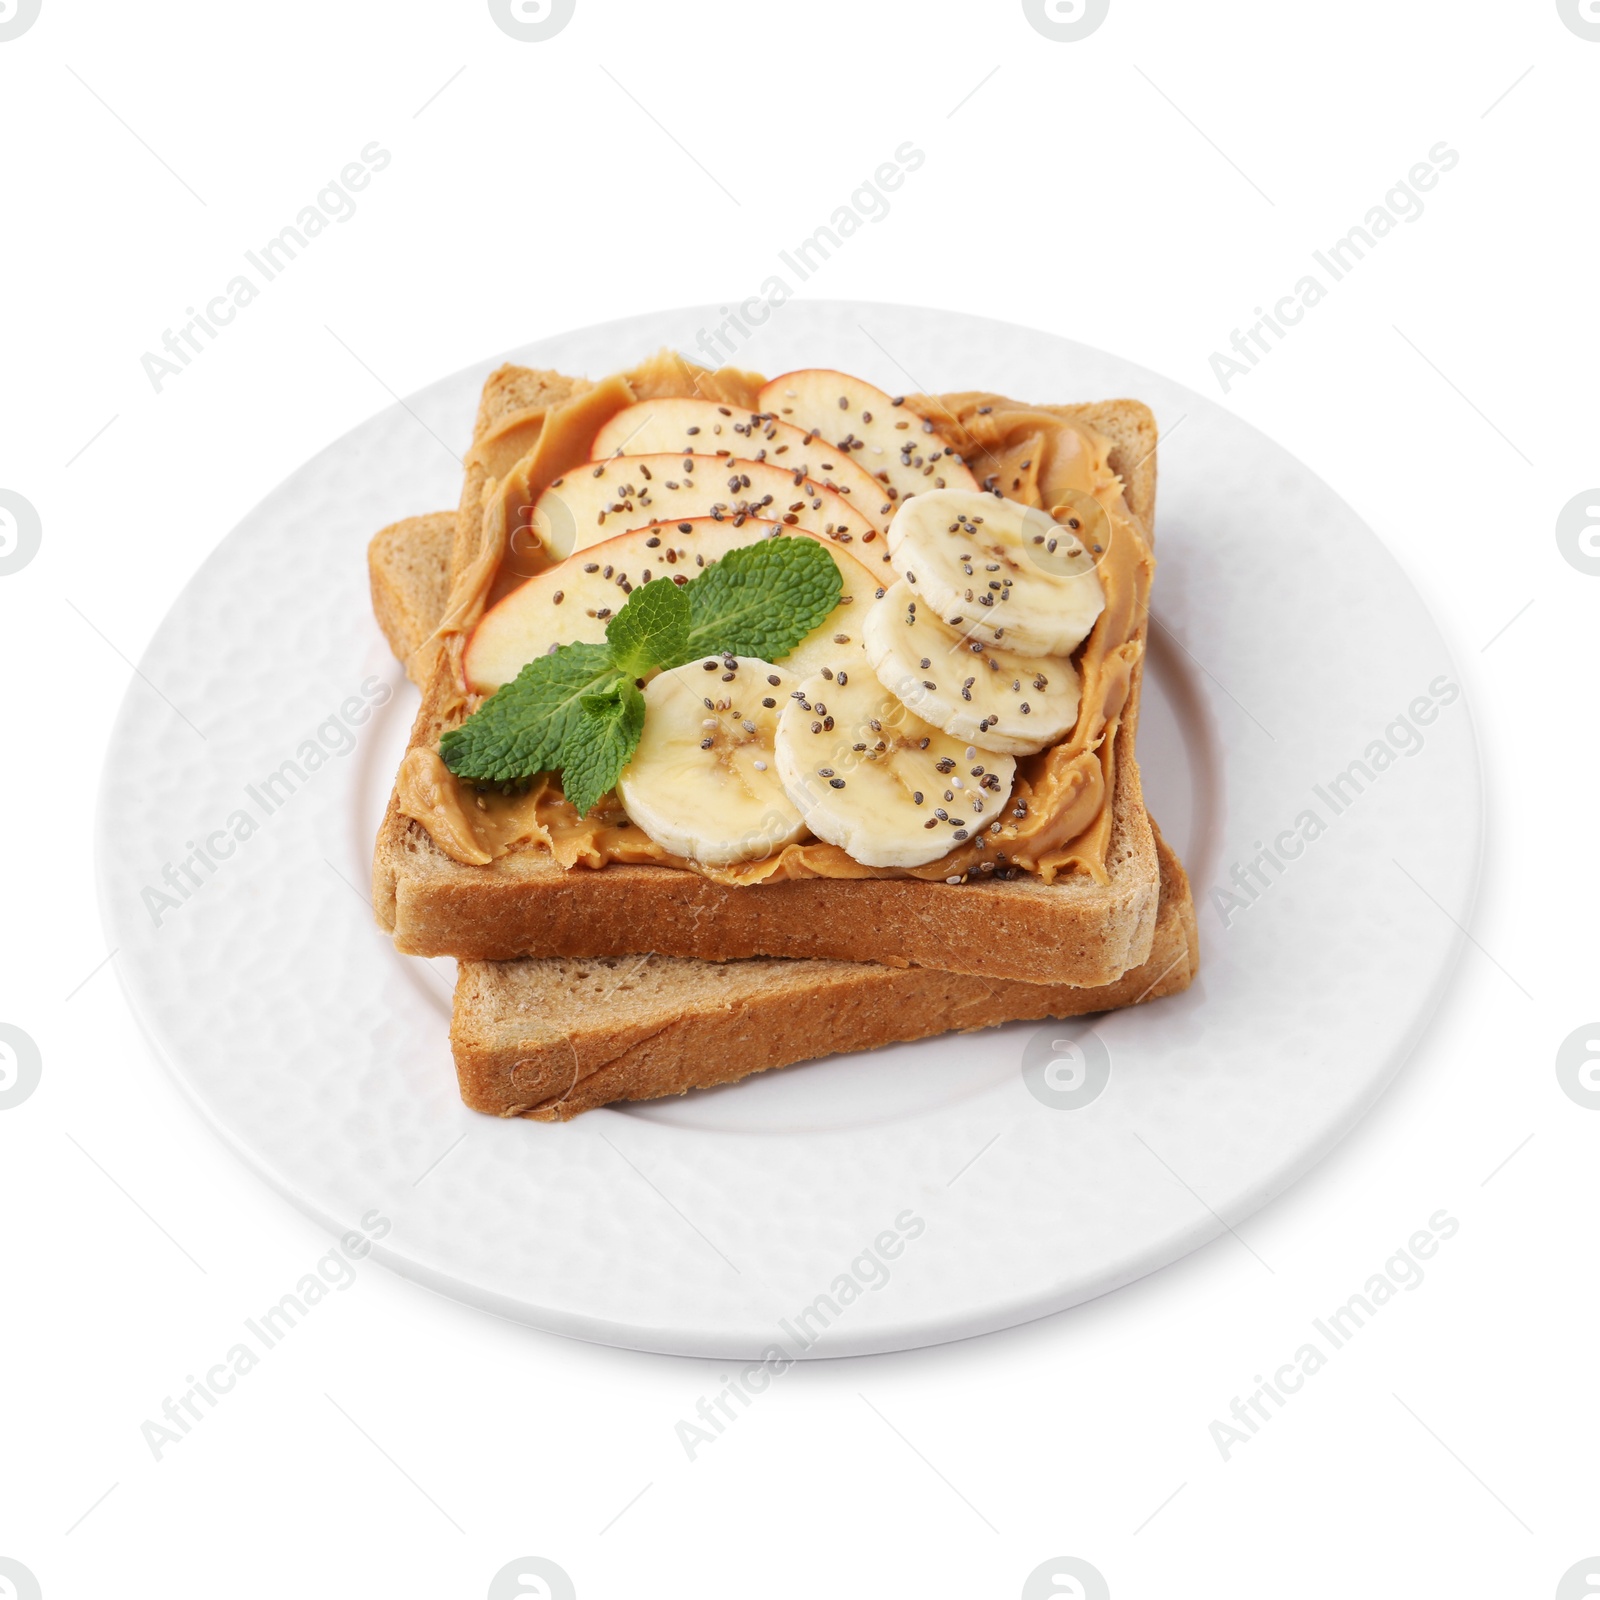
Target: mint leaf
<point x="761" y="600"/>
<point x="523" y="727"/>
<point x="600" y="742"/>
<point x="652" y="628"/>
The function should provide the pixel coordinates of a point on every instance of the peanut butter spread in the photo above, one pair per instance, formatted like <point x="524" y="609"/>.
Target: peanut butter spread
<point x="1059" y="816"/>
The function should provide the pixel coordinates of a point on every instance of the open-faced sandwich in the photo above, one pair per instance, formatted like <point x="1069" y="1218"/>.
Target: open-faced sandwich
<point x="717" y="670"/>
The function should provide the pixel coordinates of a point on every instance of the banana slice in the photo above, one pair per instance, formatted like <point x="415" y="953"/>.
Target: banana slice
<point x="709" y="428"/>
<point x="872" y="777"/>
<point x="601" y="498"/>
<point x="973" y="691"/>
<point x="1002" y="572"/>
<point x="703" y="782"/>
<point x="881" y="433"/>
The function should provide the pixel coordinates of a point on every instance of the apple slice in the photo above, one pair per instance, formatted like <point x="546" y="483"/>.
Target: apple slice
<point x="707" y="427"/>
<point x="882" y="434"/>
<point x="573" y="602"/>
<point x="602" y="498"/>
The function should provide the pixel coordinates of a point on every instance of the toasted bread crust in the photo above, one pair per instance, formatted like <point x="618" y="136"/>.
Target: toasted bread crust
<point x="549" y="1039"/>
<point x="408" y="569"/>
<point x="1073" y="932"/>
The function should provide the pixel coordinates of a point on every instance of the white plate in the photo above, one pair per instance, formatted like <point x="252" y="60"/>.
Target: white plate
<point x="1287" y="642"/>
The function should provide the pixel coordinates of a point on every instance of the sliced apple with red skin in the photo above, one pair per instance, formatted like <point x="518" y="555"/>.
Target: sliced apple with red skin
<point x="601" y="498"/>
<point x="706" y="427"/>
<point x="572" y="602"/>
<point x="882" y="434"/>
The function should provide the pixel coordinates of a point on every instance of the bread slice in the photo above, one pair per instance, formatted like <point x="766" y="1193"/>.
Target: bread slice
<point x="548" y="1039"/>
<point x="1075" y="931"/>
<point x="408" y="565"/>
<point x="531" y="1040"/>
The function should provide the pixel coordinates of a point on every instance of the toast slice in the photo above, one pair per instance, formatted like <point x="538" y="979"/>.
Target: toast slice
<point x="408" y="565"/>
<point x="548" y="1039"/>
<point x="1074" y="931"/>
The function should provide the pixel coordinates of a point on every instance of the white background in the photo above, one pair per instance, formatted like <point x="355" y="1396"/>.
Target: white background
<point x="1443" y="388"/>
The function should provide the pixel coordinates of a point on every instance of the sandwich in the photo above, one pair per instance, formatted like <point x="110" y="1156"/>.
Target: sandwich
<point x="732" y="668"/>
<point x="548" y="1038"/>
<point x="570" y="1000"/>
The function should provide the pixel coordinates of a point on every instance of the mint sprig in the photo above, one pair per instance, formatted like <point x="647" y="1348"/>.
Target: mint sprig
<point x="578" y="710"/>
